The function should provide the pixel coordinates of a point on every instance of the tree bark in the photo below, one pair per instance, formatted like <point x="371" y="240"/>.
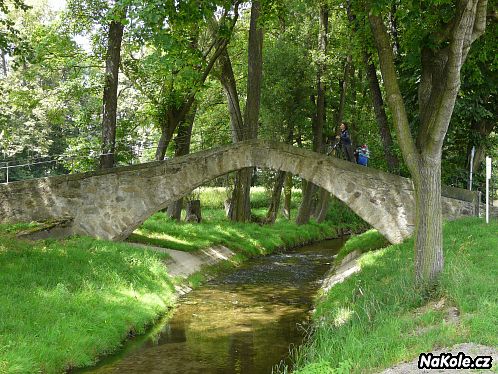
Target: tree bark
<point x="182" y="148"/>
<point x="271" y="215"/>
<point x="169" y="122"/>
<point x="110" y="99"/>
<point x="429" y="224"/>
<point x="305" y="209"/>
<point x="240" y="204"/>
<point x="344" y="86"/>
<point x="254" y="72"/>
<point x="323" y="206"/>
<point x="287" y="196"/>
<point x="193" y="211"/>
<point x="380" y="114"/>
<point x="227" y="79"/>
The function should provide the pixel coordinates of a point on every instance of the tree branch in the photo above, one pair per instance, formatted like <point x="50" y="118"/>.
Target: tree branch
<point x="446" y="82"/>
<point x="394" y="97"/>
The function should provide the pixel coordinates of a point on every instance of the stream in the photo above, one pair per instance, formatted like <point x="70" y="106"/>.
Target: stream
<point x="242" y="322"/>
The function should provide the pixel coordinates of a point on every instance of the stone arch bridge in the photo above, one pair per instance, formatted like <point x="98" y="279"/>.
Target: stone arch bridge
<point x="112" y="203"/>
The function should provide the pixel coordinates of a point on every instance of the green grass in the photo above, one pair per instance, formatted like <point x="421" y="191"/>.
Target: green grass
<point x="64" y="303"/>
<point x="365" y="242"/>
<point x="248" y="238"/>
<point x="376" y="319"/>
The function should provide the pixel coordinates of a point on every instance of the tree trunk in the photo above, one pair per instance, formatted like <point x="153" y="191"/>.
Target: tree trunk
<point x="182" y="148"/>
<point x="287" y="196"/>
<point x="229" y="84"/>
<point x="323" y="206"/>
<point x="429" y="228"/>
<point x="110" y="99"/>
<point x="193" y="211"/>
<point x="240" y="205"/>
<point x="254" y="72"/>
<point x="271" y="216"/>
<point x="169" y="122"/>
<point x="437" y="92"/>
<point x="380" y="114"/>
<point x="175" y="210"/>
<point x="344" y="86"/>
<point x="305" y="209"/>
<point x="240" y="208"/>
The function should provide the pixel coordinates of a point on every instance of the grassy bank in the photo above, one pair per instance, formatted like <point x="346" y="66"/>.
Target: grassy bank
<point x="64" y="303"/>
<point x="375" y="319"/>
<point x="247" y="238"/>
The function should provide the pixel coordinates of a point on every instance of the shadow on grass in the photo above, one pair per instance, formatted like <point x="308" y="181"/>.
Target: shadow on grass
<point x="66" y="302"/>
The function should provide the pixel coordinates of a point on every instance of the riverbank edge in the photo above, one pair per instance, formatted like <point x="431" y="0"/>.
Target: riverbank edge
<point x="210" y="263"/>
<point x="443" y="311"/>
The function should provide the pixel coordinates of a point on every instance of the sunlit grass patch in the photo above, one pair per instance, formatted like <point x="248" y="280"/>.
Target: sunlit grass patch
<point x="367" y="241"/>
<point x="64" y="303"/>
<point x="383" y="320"/>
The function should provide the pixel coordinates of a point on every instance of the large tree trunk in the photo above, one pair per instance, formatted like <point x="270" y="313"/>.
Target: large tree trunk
<point x="240" y="205"/>
<point x="429" y="228"/>
<point x="227" y="79"/>
<point x="110" y="99"/>
<point x="182" y="148"/>
<point x="323" y="206"/>
<point x="254" y="72"/>
<point x="344" y="86"/>
<point x="169" y="123"/>
<point x="438" y="89"/>
<point x="271" y="215"/>
<point x="380" y="114"/>
<point x="305" y="209"/>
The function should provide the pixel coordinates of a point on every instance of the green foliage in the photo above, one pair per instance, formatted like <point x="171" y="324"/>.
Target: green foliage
<point x="377" y="319"/>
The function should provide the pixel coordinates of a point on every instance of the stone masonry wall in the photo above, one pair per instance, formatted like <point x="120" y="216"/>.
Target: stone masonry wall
<point x="110" y="204"/>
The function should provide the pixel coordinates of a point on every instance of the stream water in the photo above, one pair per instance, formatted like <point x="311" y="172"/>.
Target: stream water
<point x="243" y="322"/>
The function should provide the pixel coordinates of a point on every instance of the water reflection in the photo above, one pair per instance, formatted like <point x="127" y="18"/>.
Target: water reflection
<point x="243" y="322"/>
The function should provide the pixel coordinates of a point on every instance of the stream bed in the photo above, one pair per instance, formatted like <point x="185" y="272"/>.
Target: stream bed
<point x="242" y="322"/>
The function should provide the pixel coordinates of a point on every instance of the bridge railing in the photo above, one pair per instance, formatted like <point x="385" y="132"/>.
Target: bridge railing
<point x="17" y="170"/>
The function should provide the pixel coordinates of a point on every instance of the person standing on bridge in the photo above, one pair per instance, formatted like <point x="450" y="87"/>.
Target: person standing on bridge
<point x="345" y="141"/>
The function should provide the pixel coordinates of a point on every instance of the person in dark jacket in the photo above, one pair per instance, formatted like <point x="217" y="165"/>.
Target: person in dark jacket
<point x="345" y="141"/>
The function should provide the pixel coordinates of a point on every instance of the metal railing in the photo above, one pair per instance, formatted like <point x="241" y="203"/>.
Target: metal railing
<point x="60" y="165"/>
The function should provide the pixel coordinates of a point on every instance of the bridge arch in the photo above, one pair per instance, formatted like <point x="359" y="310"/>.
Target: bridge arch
<point x="111" y="204"/>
